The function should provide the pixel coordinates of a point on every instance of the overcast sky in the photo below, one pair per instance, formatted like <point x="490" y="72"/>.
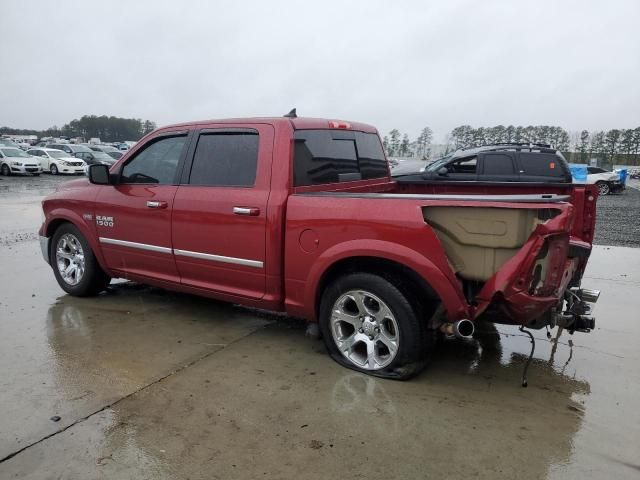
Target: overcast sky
<point x="403" y="64"/>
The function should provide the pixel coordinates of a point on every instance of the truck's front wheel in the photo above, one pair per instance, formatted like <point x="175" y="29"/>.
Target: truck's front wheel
<point x="74" y="264"/>
<point x="369" y="325"/>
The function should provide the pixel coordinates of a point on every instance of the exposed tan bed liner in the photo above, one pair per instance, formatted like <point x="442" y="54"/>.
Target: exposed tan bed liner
<point x="479" y="240"/>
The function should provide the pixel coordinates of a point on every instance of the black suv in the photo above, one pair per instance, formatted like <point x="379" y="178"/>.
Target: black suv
<point x="509" y="162"/>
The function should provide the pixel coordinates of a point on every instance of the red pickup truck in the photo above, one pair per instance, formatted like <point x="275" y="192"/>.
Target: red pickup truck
<point x="300" y="215"/>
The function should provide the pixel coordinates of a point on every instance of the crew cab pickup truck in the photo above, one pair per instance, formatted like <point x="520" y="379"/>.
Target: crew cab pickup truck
<point x="300" y="215"/>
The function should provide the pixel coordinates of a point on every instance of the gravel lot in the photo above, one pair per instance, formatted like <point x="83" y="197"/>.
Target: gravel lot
<point x="618" y="218"/>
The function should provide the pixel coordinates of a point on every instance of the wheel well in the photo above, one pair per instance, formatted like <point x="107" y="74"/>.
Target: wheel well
<point x="421" y="295"/>
<point x="54" y="225"/>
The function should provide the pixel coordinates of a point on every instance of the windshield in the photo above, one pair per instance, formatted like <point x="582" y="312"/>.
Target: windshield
<point x="57" y="154"/>
<point x="102" y="156"/>
<point x="108" y="149"/>
<point x="80" y="148"/>
<point x="438" y="163"/>
<point x="15" y="152"/>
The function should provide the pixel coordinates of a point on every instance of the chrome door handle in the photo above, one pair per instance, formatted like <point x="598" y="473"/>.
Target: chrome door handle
<point x="156" y="204"/>
<point x="249" y="211"/>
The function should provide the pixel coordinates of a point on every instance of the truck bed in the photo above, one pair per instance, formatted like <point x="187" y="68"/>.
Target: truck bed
<point x="480" y="247"/>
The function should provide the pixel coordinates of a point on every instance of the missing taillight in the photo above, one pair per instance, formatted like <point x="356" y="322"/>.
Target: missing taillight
<point x="549" y="266"/>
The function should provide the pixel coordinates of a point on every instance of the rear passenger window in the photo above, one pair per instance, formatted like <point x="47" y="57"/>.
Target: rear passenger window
<point x="332" y="156"/>
<point x="498" y="164"/>
<point x="541" y="164"/>
<point x="225" y="159"/>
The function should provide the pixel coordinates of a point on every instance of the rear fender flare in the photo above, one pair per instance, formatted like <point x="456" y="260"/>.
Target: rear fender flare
<point x="451" y="295"/>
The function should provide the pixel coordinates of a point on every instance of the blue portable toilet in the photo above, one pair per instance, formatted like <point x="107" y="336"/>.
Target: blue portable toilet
<point x="623" y="175"/>
<point x="578" y="172"/>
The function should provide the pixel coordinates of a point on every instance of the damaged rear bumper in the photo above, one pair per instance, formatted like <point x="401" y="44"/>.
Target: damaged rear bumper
<point x="578" y="316"/>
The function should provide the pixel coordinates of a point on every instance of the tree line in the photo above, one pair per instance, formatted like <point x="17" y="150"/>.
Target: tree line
<point x="106" y="128"/>
<point x="397" y="145"/>
<point x="611" y="146"/>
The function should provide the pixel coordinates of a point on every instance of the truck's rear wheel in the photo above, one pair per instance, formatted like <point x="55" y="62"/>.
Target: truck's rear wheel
<point x="74" y="264"/>
<point x="369" y="325"/>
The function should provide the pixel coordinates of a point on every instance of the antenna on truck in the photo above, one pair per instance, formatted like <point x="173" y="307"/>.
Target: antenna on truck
<point x="291" y="114"/>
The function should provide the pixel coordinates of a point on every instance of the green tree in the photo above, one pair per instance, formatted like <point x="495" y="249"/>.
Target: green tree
<point x="583" y="146"/>
<point x="462" y="136"/>
<point x="148" y="126"/>
<point x="496" y="134"/>
<point x="612" y="143"/>
<point x="385" y="145"/>
<point x="510" y="134"/>
<point x="404" y="146"/>
<point x="423" y="143"/>
<point x="597" y="146"/>
<point x="394" y="142"/>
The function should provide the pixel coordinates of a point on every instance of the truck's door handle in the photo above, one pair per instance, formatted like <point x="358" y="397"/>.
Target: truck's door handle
<point x="250" y="211"/>
<point x="156" y="204"/>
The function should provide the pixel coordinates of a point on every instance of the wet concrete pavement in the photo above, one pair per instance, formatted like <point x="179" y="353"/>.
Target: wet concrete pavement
<point x="152" y="384"/>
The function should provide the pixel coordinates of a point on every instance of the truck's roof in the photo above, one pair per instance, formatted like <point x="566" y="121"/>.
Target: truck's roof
<point x="300" y="123"/>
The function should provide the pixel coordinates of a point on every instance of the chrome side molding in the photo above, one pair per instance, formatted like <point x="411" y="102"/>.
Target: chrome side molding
<point x="140" y="246"/>
<point x="183" y="253"/>
<point x="219" y="258"/>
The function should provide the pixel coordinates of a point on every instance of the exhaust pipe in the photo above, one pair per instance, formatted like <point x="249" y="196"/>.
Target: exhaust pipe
<point x="461" y="329"/>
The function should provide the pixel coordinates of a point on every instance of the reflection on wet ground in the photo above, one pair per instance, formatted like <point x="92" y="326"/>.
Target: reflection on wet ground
<point x="152" y="384"/>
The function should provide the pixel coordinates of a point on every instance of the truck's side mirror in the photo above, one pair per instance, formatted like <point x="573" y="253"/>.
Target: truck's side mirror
<point x="99" y="174"/>
<point x="442" y="171"/>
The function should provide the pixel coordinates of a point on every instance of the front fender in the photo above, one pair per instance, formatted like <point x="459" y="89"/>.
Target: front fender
<point x="450" y="293"/>
<point x="58" y="214"/>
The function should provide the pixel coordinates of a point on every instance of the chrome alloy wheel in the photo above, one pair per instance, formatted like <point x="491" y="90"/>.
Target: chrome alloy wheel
<point x="364" y="329"/>
<point x="70" y="259"/>
<point x="603" y="188"/>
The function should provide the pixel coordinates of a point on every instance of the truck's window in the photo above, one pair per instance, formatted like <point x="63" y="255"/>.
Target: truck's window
<point x="541" y="164"/>
<point x="225" y="159"/>
<point x="466" y="165"/>
<point x="156" y="163"/>
<point x="331" y="156"/>
<point x="498" y="164"/>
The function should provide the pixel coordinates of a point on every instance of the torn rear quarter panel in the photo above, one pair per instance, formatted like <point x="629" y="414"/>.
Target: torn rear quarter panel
<point x="506" y="235"/>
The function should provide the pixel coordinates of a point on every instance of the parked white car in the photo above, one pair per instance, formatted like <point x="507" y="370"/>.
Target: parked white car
<point x="13" y="160"/>
<point x="56" y="161"/>
<point x="607" y="182"/>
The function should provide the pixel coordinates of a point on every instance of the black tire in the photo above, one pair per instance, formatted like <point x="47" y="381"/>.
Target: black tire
<point x="94" y="280"/>
<point x="603" y="188"/>
<point x="410" y="357"/>
<point x="53" y="169"/>
<point x="5" y="170"/>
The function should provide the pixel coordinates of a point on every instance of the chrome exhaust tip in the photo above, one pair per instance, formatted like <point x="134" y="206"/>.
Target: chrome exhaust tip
<point x="586" y="295"/>
<point x="461" y="329"/>
<point x="590" y="296"/>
